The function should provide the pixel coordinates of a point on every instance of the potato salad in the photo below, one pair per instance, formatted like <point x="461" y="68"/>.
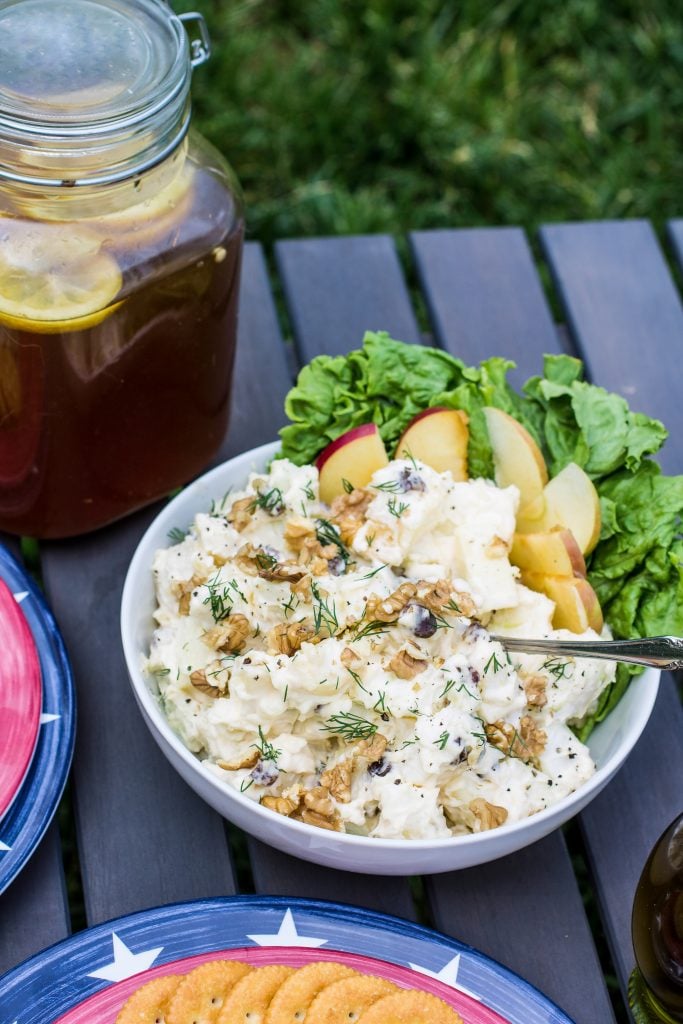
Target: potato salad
<point x="335" y="662"/>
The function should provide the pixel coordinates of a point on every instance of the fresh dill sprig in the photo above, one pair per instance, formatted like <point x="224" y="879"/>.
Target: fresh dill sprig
<point x="369" y="575"/>
<point x="460" y="687"/>
<point x="373" y="628"/>
<point x="291" y="605"/>
<point x="245" y="784"/>
<point x="493" y="661"/>
<point x="264" y="560"/>
<point x="327" y="533"/>
<point x="380" y="705"/>
<point x="217" y="504"/>
<point x="176" y="535"/>
<point x="390" y="486"/>
<point x="441" y="623"/>
<point x="219" y="599"/>
<point x="397" y="508"/>
<point x="452" y="606"/>
<point x="309" y="492"/>
<point x="480" y="736"/>
<point x="347" y="485"/>
<point x="324" y="613"/>
<point x="270" y="501"/>
<point x="442" y="740"/>
<point x="350" y="726"/>
<point x="267" y="751"/>
<point x="556" y="668"/>
<point x="233" y="586"/>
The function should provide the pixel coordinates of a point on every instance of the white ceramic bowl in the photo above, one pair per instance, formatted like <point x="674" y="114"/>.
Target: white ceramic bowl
<point x="609" y="744"/>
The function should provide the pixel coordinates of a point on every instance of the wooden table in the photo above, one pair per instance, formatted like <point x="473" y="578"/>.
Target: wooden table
<point x="145" y="839"/>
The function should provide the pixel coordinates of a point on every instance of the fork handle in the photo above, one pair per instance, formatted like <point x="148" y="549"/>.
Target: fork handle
<point x="664" y="652"/>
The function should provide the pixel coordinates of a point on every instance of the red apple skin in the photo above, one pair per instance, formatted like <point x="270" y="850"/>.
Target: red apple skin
<point x="421" y="415"/>
<point x="344" y="439"/>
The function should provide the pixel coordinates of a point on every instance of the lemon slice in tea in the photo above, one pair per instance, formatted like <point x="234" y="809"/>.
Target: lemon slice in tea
<point x="54" y="277"/>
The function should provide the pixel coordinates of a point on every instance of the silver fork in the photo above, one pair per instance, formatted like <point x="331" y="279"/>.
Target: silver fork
<point x="664" y="652"/>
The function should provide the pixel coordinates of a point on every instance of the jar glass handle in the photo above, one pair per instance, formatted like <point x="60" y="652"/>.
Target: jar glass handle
<point x="198" y="33"/>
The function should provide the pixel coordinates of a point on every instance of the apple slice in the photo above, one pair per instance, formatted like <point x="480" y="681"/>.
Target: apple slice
<point x="352" y="459"/>
<point x="576" y="604"/>
<point x="517" y="459"/>
<point x="554" y="552"/>
<point x="438" y="437"/>
<point x="571" y="501"/>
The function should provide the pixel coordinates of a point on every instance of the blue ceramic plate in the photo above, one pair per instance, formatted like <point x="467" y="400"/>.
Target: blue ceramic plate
<point x="87" y="978"/>
<point x="22" y="828"/>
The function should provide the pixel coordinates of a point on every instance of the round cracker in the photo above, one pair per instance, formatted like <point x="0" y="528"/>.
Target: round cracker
<point x="149" y="1003"/>
<point x="345" y="1001"/>
<point x="201" y="993"/>
<point x="295" y="995"/>
<point x="249" y="999"/>
<point x="409" y="1006"/>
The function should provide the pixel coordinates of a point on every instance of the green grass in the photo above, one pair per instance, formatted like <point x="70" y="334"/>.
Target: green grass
<point x="385" y="115"/>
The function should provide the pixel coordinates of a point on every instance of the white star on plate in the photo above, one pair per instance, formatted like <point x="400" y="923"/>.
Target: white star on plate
<point x="448" y="975"/>
<point x="21" y="596"/>
<point x="125" y="963"/>
<point x="49" y="718"/>
<point x="287" y="935"/>
<point x="4" y="847"/>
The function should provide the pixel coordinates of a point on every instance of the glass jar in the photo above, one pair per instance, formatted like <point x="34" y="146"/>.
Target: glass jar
<point x="120" y="245"/>
<point x="656" y="985"/>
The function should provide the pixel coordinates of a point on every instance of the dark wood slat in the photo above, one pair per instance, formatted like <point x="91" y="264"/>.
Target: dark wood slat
<point x="282" y="875"/>
<point x="522" y="911"/>
<point x="484" y="296"/>
<point x="628" y="323"/>
<point x="338" y="288"/>
<point x="675" y="233"/>
<point x="274" y="872"/>
<point x="262" y="376"/>
<point x="624" y="312"/>
<point x="34" y="911"/>
<point x="144" y="837"/>
<point x="485" y="299"/>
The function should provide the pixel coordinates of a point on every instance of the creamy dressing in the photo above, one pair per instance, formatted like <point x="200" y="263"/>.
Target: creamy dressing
<point x="470" y="738"/>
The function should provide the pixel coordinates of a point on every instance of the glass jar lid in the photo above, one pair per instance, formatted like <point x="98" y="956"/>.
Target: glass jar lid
<point x="92" y="90"/>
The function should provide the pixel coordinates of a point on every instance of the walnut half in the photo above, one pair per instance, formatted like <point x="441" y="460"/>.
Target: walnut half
<point x="488" y="815"/>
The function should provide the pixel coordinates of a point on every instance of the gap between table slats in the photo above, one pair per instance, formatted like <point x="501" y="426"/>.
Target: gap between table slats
<point x="627" y="321"/>
<point x="481" y="906"/>
<point x="485" y="299"/>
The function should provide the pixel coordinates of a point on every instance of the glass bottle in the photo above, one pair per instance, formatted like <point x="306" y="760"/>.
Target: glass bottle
<point x="120" y="245"/>
<point x="656" y="985"/>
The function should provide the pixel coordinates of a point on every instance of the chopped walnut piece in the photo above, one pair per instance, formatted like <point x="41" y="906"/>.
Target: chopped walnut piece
<point x="297" y="530"/>
<point x="405" y="666"/>
<point x="200" y="682"/>
<point x="318" y="799"/>
<point x="435" y="597"/>
<point x="388" y="609"/>
<point x="373" y="748"/>
<point x="281" y="804"/>
<point x="497" y="547"/>
<point x="488" y="815"/>
<point x="348" y="656"/>
<point x="348" y="512"/>
<point x="535" y="690"/>
<point x="338" y="780"/>
<point x="240" y="513"/>
<point x="287" y="637"/>
<point x="526" y="743"/>
<point x="229" y="635"/>
<point x="247" y="760"/>
<point x="302" y="587"/>
<point x="257" y="562"/>
<point x="182" y="589"/>
<point x="332" y="823"/>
